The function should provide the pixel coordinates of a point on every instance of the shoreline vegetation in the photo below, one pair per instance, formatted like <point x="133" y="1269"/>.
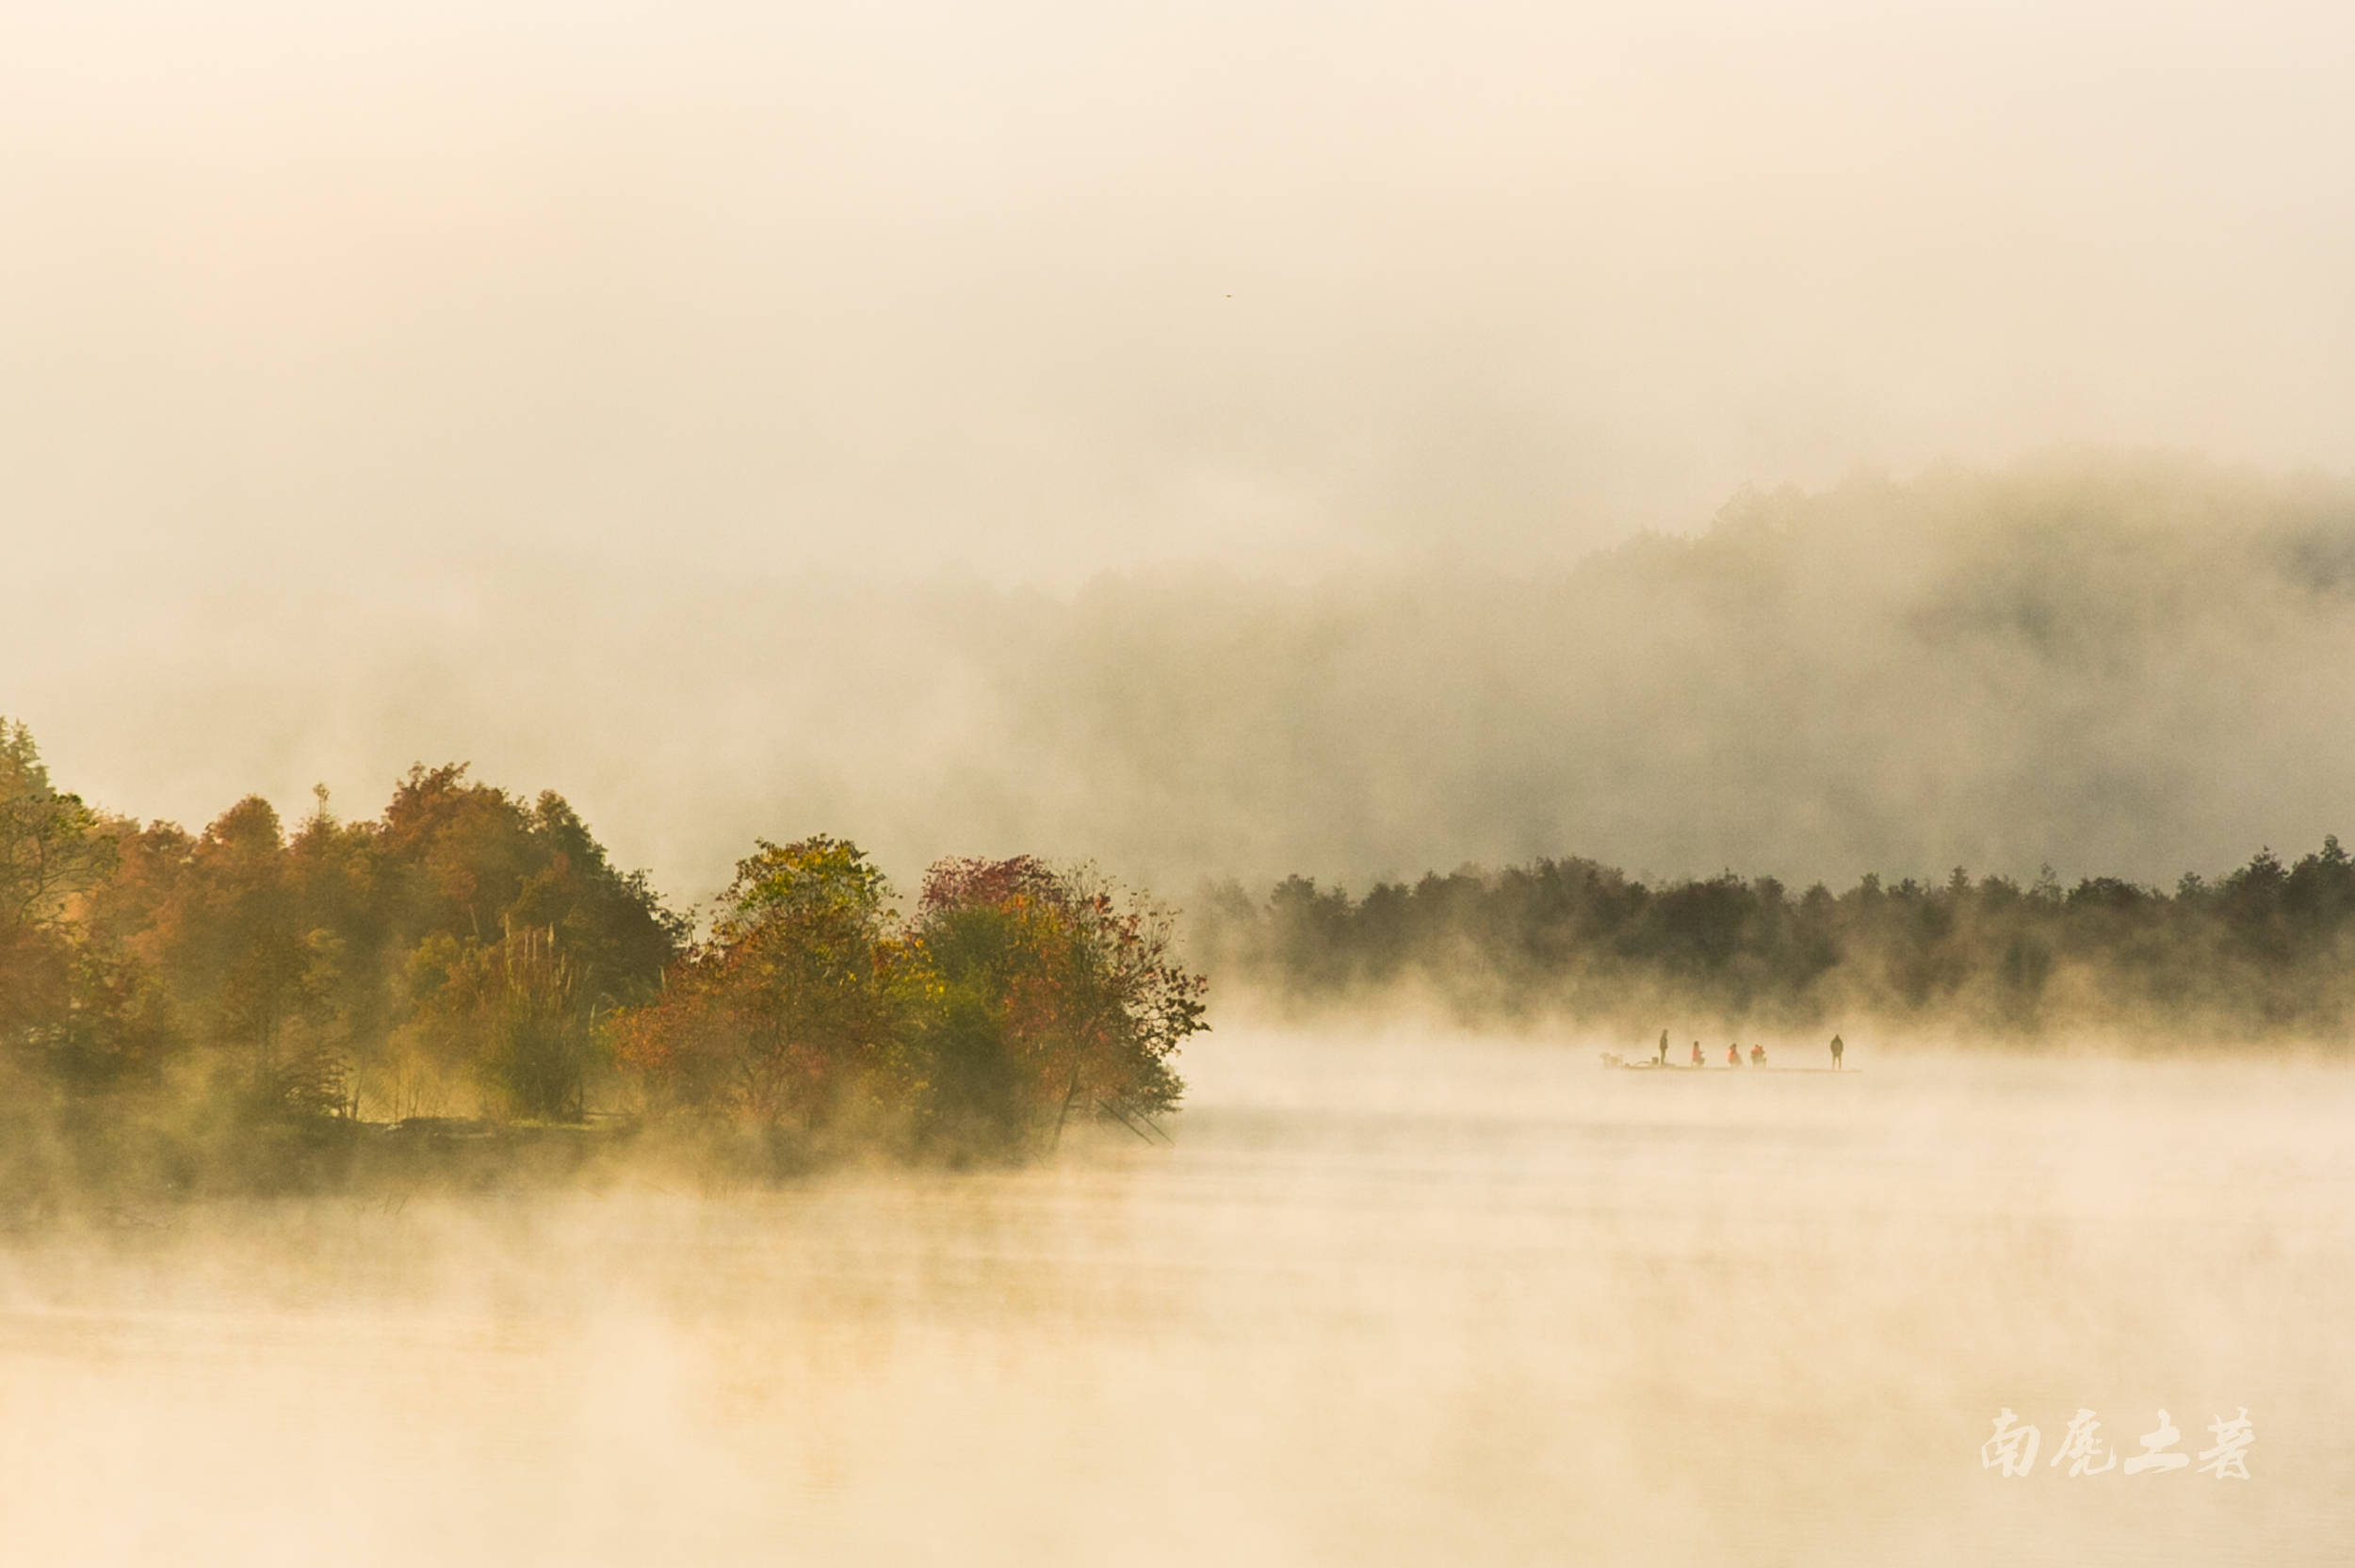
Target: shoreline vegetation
<point x="2265" y="953"/>
<point x="466" y="989"/>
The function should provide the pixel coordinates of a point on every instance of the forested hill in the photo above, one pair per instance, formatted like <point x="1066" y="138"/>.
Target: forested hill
<point x="2121" y="666"/>
<point x="2267" y="950"/>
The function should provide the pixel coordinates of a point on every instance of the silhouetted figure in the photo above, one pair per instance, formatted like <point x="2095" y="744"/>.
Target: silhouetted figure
<point x="1663" y="1047"/>
<point x="1835" y="1053"/>
<point x="1733" y="1055"/>
<point x="1757" y="1056"/>
<point x="1698" y="1059"/>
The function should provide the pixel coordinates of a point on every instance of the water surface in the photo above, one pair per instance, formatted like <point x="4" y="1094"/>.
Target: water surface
<point x="1390" y="1300"/>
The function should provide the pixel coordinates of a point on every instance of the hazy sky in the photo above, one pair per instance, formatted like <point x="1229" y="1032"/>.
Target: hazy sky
<point x="365" y="374"/>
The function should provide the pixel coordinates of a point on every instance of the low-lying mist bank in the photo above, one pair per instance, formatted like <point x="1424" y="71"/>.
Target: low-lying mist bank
<point x="1394" y="1298"/>
<point x="2117" y="665"/>
<point x="2121" y="664"/>
<point x="2266" y="952"/>
<point x="131" y="1158"/>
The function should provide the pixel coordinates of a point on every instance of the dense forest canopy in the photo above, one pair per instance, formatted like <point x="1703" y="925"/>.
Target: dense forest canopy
<point x="472" y="956"/>
<point x="342" y="959"/>
<point x="2266" y="951"/>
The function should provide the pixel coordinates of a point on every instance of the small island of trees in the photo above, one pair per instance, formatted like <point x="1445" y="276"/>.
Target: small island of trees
<point x="232" y="1007"/>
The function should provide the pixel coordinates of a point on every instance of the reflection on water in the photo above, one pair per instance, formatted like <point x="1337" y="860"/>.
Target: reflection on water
<point x="1393" y="1302"/>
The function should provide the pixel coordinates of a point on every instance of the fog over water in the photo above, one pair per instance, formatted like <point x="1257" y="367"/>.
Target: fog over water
<point x="1389" y="1298"/>
<point x="1219" y="440"/>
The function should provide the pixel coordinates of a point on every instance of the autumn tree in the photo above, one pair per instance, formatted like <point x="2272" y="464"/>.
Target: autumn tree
<point x="515" y="1013"/>
<point x="791" y="1008"/>
<point x="52" y="852"/>
<point x="403" y="957"/>
<point x="249" y="972"/>
<point x="1054" y="996"/>
<point x="50" y="847"/>
<point x="468" y="859"/>
<point x="503" y="932"/>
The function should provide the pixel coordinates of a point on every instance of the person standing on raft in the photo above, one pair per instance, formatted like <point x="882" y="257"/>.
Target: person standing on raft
<point x="1663" y="1047"/>
<point x="1757" y="1056"/>
<point x="1733" y="1055"/>
<point x="1835" y="1053"/>
<point x="1698" y="1059"/>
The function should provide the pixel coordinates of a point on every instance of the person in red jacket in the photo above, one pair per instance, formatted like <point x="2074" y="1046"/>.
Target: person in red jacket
<point x="1757" y="1056"/>
<point x="1698" y="1059"/>
<point x="1733" y="1055"/>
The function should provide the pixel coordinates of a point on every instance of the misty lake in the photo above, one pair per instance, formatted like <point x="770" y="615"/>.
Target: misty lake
<point x="1396" y="1298"/>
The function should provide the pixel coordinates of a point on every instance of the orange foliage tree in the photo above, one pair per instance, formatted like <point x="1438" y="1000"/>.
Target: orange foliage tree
<point x="1018" y="998"/>
<point x="1054" y="994"/>
<point x="792" y="1005"/>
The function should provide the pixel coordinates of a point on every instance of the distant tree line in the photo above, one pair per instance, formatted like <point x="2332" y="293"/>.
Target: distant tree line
<point x="2267" y="950"/>
<point x="191" y="999"/>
